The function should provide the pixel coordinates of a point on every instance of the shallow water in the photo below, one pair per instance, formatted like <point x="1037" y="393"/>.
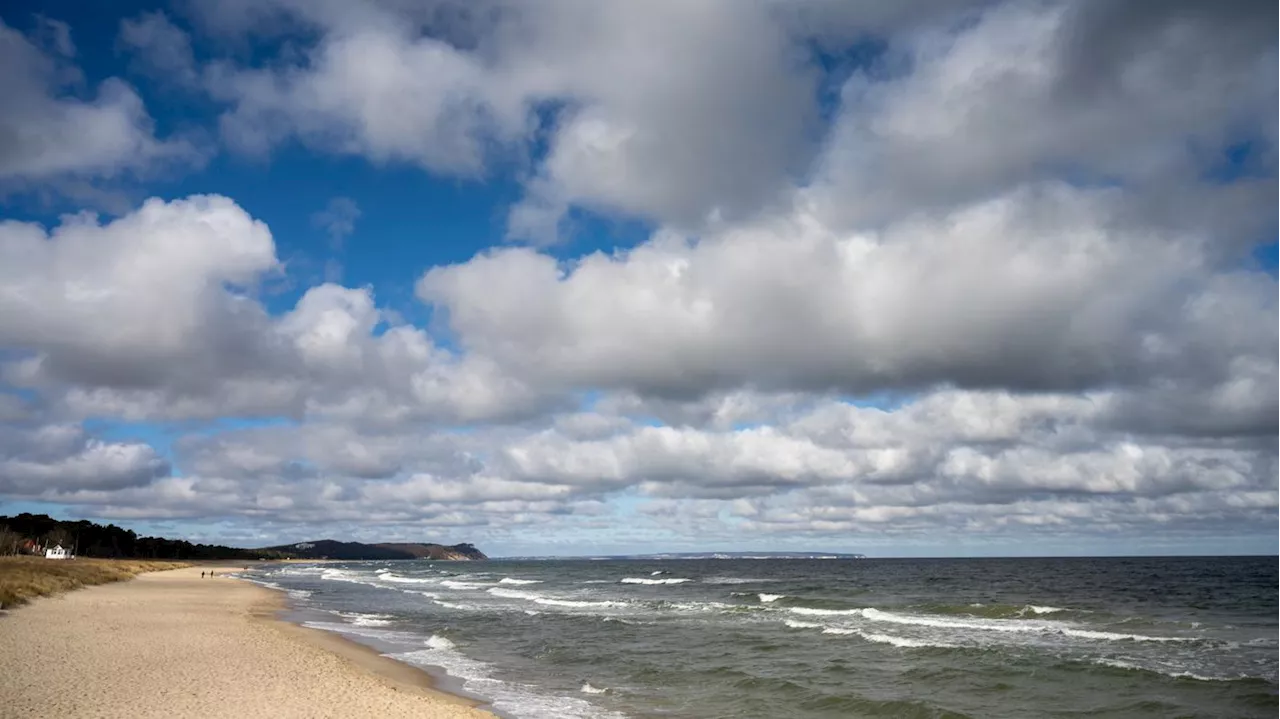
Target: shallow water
<point x="1121" y="637"/>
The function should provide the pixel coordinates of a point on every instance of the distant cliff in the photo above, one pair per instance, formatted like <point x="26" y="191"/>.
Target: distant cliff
<point x="456" y="552"/>
<point x="331" y="549"/>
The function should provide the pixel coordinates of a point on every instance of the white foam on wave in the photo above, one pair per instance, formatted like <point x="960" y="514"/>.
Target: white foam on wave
<point x="397" y="579"/>
<point x="366" y="620"/>
<point x="515" y="700"/>
<point x="903" y="642"/>
<point x="510" y="580"/>
<point x="548" y="601"/>
<point x="877" y="615"/>
<point x="519" y="701"/>
<point x="382" y="634"/>
<point x="734" y="580"/>
<point x="454" y="584"/>
<point x="551" y="601"/>
<point x="1000" y="625"/>
<point x="642" y="580"/>
<point x="345" y="575"/>
<point x="767" y="598"/>
<point x="1117" y="637"/>
<point x="630" y="622"/>
<point x="588" y="689"/>
<point x="473" y="577"/>
<point x="514" y="594"/>
<point x="299" y="571"/>
<point x="1174" y="673"/>
<point x="812" y="612"/>
<point x="707" y="606"/>
<point x="1034" y="609"/>
<point x="438" y="642"/>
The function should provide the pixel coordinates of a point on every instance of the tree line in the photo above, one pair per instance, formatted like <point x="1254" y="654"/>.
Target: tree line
<point x="32" y="533"/>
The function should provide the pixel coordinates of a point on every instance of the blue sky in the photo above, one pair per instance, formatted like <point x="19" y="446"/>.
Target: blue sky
<point x="641" y="277"/>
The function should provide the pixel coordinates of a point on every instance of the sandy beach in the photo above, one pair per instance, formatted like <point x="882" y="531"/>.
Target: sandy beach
<point x="171" y="644"/>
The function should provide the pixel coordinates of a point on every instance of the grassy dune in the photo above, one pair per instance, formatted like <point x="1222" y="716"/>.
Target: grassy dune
<point x="22" y="578"/>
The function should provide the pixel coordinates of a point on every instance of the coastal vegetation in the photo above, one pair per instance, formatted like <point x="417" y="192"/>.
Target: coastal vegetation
<point x="31" y="533"/>
<point x="25" y="577"/>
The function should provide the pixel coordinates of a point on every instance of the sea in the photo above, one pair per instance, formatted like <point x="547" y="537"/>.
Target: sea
<point x="814" y="638"/>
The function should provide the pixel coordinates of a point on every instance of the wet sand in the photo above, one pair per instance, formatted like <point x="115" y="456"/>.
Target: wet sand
<point x="171" y="644"/>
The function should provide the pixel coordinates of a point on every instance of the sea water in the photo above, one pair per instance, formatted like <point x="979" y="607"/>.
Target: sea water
<point x="1119" y="637"/>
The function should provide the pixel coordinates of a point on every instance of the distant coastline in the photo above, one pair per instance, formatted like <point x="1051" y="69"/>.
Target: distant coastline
<point x="698" y="555"/>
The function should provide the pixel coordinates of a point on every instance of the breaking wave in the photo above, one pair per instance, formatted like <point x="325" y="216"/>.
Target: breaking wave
<point x="1173" y="672"/>
<point x="997" y="625"/>
<point x="438" y="642"/>
<point x="366" y="620"/>
<point x="454" y="584"/>
<point x="815" y="612"/>
<point x="642" y="580"/>
<point x="551" y="601"/>
<point x="993" y="611"/>
<point x="735" y="580"/>
<point x="397" y="579"/>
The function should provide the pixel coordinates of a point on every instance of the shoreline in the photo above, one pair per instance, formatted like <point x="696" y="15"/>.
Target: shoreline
<point x="171" y="644"/>
<point x="404" y="675"/>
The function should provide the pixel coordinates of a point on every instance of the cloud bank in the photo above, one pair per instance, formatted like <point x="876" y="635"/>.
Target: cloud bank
<point x="976" y="269"/>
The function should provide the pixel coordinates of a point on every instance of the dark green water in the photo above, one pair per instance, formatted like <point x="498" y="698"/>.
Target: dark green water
<point x="1117" y="637"/>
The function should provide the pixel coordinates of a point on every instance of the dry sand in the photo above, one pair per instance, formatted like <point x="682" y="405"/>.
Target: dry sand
<point x="170" y="644"/>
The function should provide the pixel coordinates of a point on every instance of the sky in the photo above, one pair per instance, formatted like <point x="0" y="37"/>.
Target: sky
<point x="932" y="278"/>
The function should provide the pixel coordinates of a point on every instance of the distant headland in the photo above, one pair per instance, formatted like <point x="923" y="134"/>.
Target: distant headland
<point x="333" y="549"/>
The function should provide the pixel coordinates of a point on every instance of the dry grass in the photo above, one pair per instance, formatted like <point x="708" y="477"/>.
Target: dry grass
<point x="22" y="578"/>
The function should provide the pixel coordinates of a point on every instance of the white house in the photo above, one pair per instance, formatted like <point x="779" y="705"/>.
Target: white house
<point x="57" y="553"/>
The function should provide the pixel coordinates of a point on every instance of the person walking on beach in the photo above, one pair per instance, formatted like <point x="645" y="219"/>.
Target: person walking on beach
<point x="202" y="575"/>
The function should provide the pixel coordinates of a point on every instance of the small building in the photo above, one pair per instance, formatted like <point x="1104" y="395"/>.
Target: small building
<point x="57" y="552"/>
